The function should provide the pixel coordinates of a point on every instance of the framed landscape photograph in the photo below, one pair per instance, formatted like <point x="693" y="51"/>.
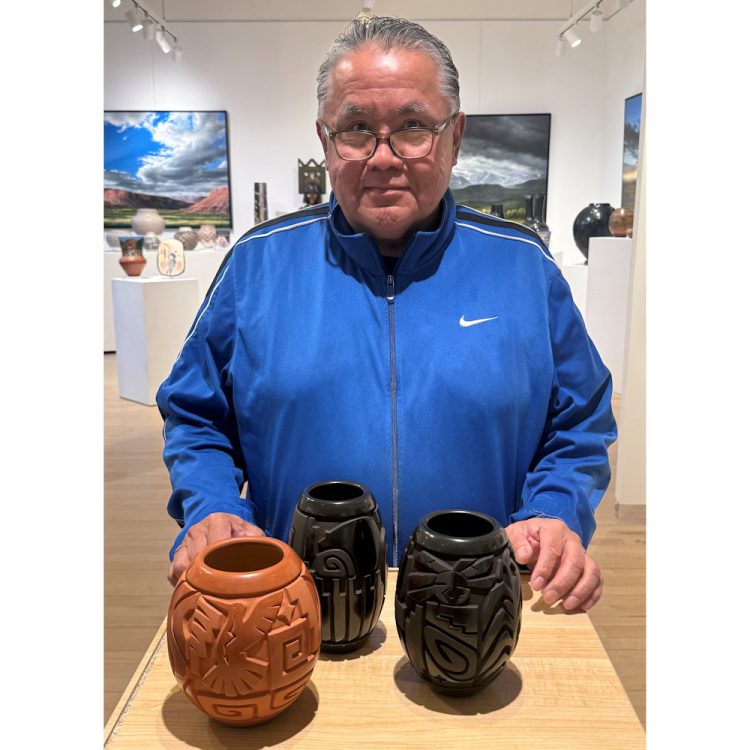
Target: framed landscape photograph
<point x="503" y="158"/>
<point x="176" y="162"/>
<point x="630" y="146"/>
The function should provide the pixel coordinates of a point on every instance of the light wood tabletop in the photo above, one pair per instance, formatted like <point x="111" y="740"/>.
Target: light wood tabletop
<point x="558" y="691"/>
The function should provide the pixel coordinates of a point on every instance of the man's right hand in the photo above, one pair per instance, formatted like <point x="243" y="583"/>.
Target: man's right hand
<point x="211" y="529"/>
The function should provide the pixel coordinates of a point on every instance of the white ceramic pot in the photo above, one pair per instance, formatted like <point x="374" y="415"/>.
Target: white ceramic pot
<point x="147" y="220"/>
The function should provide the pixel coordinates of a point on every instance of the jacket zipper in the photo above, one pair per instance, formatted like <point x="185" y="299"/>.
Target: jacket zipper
<point x="390" y="295"/>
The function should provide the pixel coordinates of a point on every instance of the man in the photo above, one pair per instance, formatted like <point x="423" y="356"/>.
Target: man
<point x="425" y="350"/>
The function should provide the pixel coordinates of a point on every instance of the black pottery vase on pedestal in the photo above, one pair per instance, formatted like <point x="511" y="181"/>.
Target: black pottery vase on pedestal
<point x="337" y="530"/>
<point x="458" y="600"/>
<point x="528" y="214"/>
<point x="533" y="217"/>
<point x="540" y="226"/>
<point x="592" y="221"/>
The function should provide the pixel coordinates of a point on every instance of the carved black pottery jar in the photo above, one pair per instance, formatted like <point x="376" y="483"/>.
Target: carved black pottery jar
<point x="337" y="530"/>
<point x="458" y="600"/>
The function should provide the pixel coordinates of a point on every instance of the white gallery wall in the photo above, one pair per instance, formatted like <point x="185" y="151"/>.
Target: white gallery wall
<point x="263" y="74"/>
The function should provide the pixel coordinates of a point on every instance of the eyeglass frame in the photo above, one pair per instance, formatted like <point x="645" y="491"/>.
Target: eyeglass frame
<point x="435" y="131"/>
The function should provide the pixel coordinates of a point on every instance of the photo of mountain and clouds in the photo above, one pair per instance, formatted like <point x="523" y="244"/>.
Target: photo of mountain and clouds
<point x="175" y="162"/>
<point x="631" y="141"/>
<point x="503" y="158"/>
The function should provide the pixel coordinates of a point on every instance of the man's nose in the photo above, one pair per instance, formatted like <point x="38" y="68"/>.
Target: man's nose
<point x="384" y="156"/>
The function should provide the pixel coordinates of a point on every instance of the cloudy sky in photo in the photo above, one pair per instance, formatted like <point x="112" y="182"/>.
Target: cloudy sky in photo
<point x="180" y="155"/>
<point x="632" y="131"/>
<point x="503" y="150"/>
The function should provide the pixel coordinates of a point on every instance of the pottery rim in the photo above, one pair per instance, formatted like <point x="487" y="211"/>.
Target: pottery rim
<point x="244" y="566"/>
<point x="460" y="532"/>
<point x="336" y="499"/>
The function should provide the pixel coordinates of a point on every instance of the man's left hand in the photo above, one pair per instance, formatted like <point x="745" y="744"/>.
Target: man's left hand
<point x="561" y="567"/>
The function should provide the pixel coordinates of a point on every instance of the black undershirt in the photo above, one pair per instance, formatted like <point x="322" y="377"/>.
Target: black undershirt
<point x="389" y="263"/>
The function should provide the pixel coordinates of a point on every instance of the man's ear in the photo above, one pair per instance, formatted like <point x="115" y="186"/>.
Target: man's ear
<point x="458" y="134"/>
<point x="323" y="139"/>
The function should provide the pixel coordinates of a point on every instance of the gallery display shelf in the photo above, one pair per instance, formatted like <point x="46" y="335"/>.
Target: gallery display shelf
<point x="601" y="290"/>
<point x="608" y="300"/>
<point x="199" y="264"/>
<point x="559" y="691"/>
<point x="152" y="316"/>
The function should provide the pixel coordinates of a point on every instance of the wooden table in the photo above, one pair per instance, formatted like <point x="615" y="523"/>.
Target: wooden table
<point x="558" y="691"/>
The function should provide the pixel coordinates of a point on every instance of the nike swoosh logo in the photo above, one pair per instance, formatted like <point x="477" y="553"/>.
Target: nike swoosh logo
<point x="467" y="323"/>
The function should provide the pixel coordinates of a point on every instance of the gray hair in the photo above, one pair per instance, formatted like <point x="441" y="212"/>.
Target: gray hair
<point x="389" y="33"/>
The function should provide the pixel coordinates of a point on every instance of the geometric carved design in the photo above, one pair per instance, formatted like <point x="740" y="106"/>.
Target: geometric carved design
<point x="347" y="560"/>
<point x="458" y="618"/>
<point x="244" y="660"/>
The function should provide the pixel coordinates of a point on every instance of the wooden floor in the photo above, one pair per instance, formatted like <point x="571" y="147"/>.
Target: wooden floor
<point x="138" y="534"/>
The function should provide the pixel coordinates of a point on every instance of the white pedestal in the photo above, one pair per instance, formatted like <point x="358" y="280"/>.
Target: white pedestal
<point x="199" y="264"/>
<point x="577" y="274"/>
<point x="152" y="317"/>
<point x="607" y="296"/>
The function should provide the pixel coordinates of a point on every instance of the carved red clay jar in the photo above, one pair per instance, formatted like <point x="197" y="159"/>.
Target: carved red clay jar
<point x="243" y="629"/>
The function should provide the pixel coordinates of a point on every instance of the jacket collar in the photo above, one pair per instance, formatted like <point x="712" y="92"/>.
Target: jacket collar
<point x="421" y="251"/>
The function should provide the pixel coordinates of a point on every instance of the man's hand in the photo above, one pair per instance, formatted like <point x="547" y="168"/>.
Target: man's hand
<point x="561" y="567"/>
<point x="211" y="529"/>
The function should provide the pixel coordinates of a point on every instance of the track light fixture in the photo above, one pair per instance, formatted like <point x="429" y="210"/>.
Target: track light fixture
<point x="153" y="27"/>
<point x="572" y="37"/>
<point x="163" y="40"/>
<point x="596" y="19"/>
<point x="148" y="29"/>
<point x="562" y="47"/>
<point x="136" y="24"/>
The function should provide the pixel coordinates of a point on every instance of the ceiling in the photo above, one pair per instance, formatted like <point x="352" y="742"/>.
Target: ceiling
<point x="343" y="10"/>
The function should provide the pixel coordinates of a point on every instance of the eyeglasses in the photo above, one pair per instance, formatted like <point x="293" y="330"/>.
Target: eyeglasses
<point x="408" y="143"/>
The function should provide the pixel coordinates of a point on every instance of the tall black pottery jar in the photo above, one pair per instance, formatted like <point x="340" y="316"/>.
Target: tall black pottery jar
<point x="337" y="531"/>
<point x="458" y="600"/>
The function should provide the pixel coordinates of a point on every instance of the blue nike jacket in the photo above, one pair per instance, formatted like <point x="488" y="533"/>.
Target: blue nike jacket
<point x="464" y="379"/>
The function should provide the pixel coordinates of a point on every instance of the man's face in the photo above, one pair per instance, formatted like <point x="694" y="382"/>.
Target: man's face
<point x="371" y="89"/>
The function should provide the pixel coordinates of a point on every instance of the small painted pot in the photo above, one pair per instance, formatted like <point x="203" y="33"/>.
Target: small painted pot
<point x="207" y="235"/>
<point x="243" y="629"/>
<point x="621" y="222"/>
<point x="132" y="260"/>
<point x="187" y="236"/>
<point x="336" y="529"/>
<point x="151" y="242"/>
<point x="458" y="600"/>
